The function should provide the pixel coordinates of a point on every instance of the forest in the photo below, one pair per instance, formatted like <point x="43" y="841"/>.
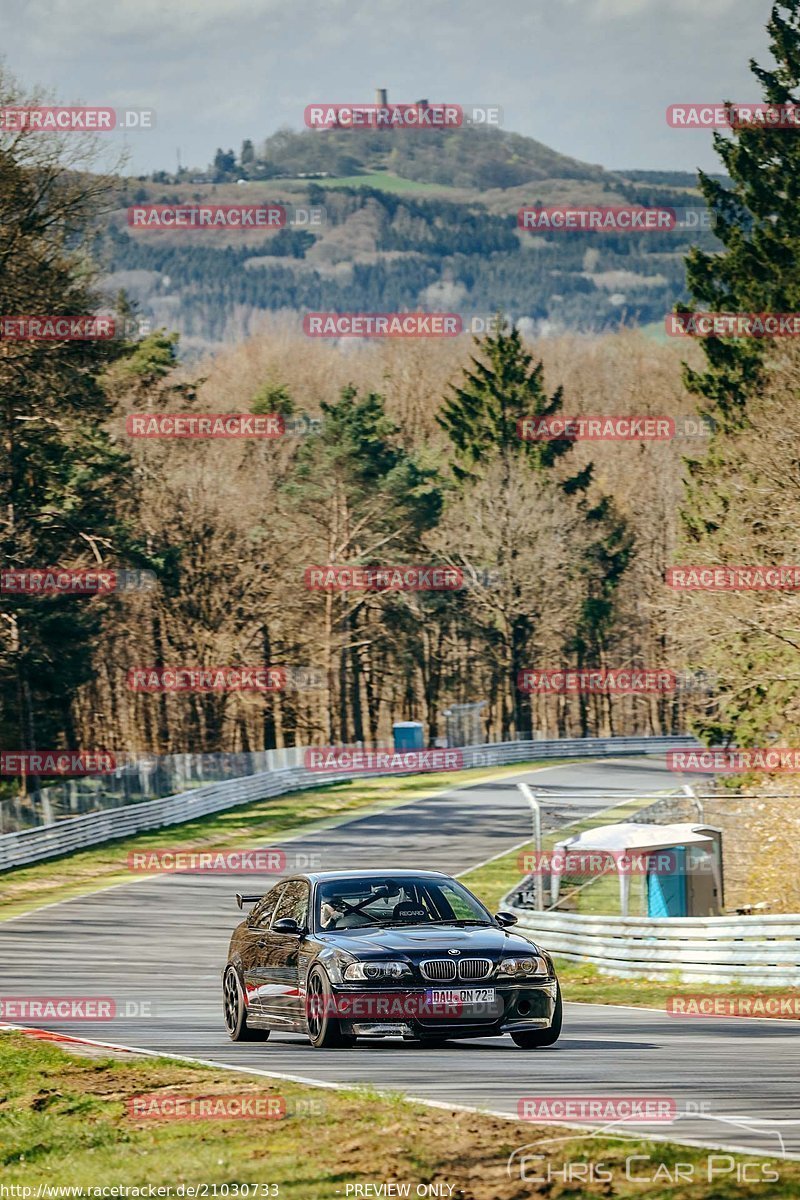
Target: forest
<point x="393" y="455"/>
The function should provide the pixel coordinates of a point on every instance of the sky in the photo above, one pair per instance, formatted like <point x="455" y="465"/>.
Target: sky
<point x="590" y="78"/>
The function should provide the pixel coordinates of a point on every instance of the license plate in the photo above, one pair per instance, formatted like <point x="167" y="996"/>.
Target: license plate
<point x="461" y="996"/>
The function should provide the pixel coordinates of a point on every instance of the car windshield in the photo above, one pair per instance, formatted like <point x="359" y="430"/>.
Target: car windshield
<point x="356" y="903"/>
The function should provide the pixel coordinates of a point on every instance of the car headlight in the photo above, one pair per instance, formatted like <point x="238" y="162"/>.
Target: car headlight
<point x="375" y="970"/>
<point x="523" y="967"/>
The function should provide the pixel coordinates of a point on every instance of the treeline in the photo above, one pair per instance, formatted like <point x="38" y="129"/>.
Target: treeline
<point x="414" y="458"/>
<point x="380" y="252"/>
<point x="550" y="549"/>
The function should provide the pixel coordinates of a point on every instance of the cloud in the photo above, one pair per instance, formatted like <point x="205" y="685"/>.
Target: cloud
<point x="699" y="10"/>
<point x="589" y="77"/>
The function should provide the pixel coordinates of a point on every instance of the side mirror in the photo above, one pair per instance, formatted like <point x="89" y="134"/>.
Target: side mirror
<point x="287" y="925"/>
<point x="504" y="919"/>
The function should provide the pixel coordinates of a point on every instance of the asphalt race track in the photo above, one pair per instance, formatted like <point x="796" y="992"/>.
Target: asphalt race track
<point x="158" y="947"/>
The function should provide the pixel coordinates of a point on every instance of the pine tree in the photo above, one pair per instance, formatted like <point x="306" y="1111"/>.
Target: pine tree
<point x="63" y="481"/>
<point x="482" y="419"/>
<point x="757" y="220"/>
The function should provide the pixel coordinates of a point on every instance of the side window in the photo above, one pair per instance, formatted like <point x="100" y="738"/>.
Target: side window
<point x="462" y="909"/>
<point x="263" y="914"/>
<point x="293" y="902"/>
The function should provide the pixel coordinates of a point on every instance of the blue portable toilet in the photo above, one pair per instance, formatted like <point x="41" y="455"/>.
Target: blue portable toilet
<point x="689" y="881"/>
<point x="408" y="735"/>
<point x="666" y="889"/>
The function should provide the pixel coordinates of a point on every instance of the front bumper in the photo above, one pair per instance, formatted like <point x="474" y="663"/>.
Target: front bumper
<point x="372" y="1012"/>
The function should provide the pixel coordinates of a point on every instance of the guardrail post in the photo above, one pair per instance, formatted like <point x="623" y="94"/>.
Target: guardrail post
<point x="536" y="813"/>
<point x="689" y="791"/>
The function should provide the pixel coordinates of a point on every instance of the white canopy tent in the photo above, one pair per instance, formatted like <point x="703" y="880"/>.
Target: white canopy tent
<point x="621" y="842"/>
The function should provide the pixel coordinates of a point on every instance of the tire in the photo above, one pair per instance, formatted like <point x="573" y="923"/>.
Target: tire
<point x="535" y="1038"/>
<point x="324" y="1030"/>
<point x="235" y="1011"/>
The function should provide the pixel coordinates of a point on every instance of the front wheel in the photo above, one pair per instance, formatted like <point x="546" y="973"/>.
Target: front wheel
<point x="324" y="1029"/>
<point x="236" y="1011"/>
<point x="533" y="1039"/>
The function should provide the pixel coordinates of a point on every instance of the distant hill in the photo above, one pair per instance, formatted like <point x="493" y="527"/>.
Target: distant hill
<point x="462" y="158"/>
<point x="423" y="220"/>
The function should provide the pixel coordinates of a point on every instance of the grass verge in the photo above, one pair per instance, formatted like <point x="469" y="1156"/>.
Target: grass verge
<point x="24" y="889"/>
<point x="67" y="1120"/>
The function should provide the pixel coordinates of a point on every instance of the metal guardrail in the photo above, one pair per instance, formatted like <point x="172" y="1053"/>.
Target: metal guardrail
<point x="79" y="832"/>
<point x="763" y="949"/>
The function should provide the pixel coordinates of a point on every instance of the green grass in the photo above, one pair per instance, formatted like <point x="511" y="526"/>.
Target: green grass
<point x="24" y="889"/>
<point x="65" y="1122"/>
<point x="383" y="180"/>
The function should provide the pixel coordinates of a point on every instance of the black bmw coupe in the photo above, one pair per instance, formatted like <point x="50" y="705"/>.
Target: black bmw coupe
<point x="341" y="955"/>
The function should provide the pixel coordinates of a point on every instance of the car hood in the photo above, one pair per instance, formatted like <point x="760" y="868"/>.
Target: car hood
<point x="420" y="939"/>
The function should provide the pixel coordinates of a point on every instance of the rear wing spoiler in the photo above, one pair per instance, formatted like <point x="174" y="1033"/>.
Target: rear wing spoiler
<point x="242" y="900"/>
